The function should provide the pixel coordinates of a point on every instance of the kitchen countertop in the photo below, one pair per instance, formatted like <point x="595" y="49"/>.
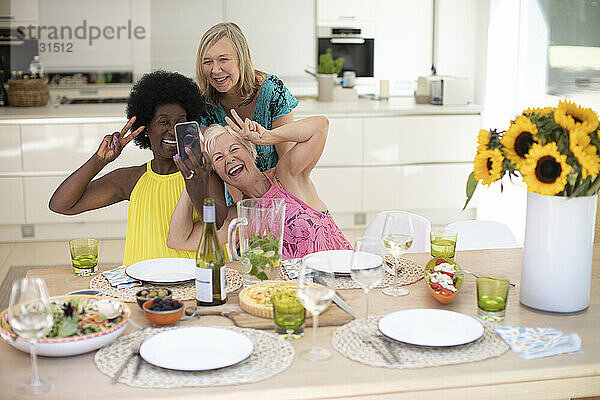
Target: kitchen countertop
<point x="96" y="113"/>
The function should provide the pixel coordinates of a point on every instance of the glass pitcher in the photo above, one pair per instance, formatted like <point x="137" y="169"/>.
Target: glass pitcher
<point x="260" y="227"/>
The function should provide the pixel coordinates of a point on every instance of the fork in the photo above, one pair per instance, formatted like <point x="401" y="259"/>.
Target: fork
<point x="368" y="339"/>
<point x="135" y="352"/>
<point x="464" y="272"/>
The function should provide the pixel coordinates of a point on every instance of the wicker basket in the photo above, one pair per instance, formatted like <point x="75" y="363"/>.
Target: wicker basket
<point x="28" y="92"/>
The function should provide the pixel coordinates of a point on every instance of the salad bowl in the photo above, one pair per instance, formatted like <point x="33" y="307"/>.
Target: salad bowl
<point x="441" y="267"/>
<point x="81" y="341"/>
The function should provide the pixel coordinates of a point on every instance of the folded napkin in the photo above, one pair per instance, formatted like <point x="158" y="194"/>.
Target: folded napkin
<point x="119" y="279"/>
<point x="292" y="267"/>
<point x="531" y="343"/>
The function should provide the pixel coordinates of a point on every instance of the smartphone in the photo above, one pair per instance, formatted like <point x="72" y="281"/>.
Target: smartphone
<point x="187" y="134"/>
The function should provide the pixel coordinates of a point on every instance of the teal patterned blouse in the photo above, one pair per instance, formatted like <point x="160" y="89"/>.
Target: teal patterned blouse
<point x="274" y="100"/>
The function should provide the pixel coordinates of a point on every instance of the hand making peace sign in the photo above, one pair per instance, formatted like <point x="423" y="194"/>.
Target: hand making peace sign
<point x="113" y="144"/>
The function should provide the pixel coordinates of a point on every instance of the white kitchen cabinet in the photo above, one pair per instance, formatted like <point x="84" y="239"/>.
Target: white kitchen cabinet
<point x="281" y="34"/>
<point x="176" y="34"/>
<point x="344" y="142"/>
<point x="65" y="147"/>
<point x="418" y="139"/>
<point x="12" y="209"/>
<point x="339" y="188"/>
<point x="415" y="187"/>
<point x="345" y="11"/>
<point x="38" y="191"/>
<point x="10" y="149"/>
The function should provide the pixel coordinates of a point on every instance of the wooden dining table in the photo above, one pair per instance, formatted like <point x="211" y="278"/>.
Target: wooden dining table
<point x="505" y="377"/>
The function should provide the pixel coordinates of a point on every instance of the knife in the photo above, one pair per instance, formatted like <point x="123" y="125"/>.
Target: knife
<point x="337" y="299"/>
<point x="343" y="305"/>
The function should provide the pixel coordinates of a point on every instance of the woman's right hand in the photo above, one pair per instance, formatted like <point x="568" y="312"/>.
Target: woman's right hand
<point x="195" y="173"/>
<point x="112" y="145"/>
<point x="249" y="130"/>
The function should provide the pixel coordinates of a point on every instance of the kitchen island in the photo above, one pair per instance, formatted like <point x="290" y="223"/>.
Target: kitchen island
<point x="379" y="155"/>
<point x="504" y="377"/>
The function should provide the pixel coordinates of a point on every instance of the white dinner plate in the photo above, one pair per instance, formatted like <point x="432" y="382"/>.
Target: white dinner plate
<point x="431" y="327"/>
<point x="338" y="261"/>
<point x="196" y="348"/>
<point x="163" y="270"/>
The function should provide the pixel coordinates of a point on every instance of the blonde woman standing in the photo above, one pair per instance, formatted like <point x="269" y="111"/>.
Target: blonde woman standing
<point x="228" y="81"/>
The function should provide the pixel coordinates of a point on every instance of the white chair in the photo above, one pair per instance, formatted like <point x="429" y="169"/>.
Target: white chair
<point x="421" y="225"/>
<point x="477" y="234"/>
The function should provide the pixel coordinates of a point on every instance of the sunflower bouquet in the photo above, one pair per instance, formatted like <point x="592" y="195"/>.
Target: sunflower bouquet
<point x="554" y="149"/>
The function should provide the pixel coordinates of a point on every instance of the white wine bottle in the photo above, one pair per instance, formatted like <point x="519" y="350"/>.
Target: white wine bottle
<point x="210" y="262"/>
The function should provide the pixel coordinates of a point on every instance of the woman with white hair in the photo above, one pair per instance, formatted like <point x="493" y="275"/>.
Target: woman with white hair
<point x="308" y="226"/>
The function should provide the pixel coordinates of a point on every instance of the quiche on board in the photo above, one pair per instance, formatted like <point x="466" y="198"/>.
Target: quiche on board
<point x="256" y="300"/>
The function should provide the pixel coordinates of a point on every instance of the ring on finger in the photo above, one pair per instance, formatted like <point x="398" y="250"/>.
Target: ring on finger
<point x="191" y="175"/>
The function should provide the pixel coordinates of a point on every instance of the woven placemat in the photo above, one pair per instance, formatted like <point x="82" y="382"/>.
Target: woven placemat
<point x="183" y="291"/>
<point x="347" y="341"/>
<point x="408" y="272"/>
<point x="272" y="355"/>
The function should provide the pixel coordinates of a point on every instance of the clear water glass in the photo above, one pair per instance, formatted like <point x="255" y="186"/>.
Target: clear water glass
<point x="398" y="234"/>
<point x="366" y="267"/>
<point x="30" y="318"/>
<point x="315" y="290"/>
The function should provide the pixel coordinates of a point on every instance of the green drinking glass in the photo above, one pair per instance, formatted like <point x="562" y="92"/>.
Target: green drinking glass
<point x="443" y="243"/>
<point x="288" y="314"/>
<point x="492" y="294"/>
<point x="84" y="256"/>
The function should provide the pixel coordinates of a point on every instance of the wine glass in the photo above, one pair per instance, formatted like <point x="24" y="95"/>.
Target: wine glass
<point x="398" y="234"/>
<point x="366" y="267"/>
<point x="30" y="317"/>
<point x="315" y="290"/>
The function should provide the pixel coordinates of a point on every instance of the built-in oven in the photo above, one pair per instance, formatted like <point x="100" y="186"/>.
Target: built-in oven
<point x="355" y="44"/>
<point x="16" y="51"/>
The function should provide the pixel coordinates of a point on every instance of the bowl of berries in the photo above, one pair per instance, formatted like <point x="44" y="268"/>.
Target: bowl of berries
<point x="163" y="311"/>
<point x="442" y="279"/>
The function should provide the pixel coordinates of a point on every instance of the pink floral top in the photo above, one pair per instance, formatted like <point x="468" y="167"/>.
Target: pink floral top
<point x="306" y="230"/>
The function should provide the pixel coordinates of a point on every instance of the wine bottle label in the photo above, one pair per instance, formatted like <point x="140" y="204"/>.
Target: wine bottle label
<point x="204" y="285"/>
<point x="208" y="214"/>
<point x="223" y="284"/>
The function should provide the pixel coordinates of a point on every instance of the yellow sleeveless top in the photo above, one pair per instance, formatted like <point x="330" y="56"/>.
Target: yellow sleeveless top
<point x="151" y="204"/>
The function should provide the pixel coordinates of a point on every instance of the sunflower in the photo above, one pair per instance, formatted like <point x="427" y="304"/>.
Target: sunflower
<point x="584" y="152"/>
<point x="569" y="116"/>
<point x="518" y="139"/>
<point x="488" y="166"/>
<point x="542" y="111"/>
<point x="483" y="140"/>
<point x="545" y="170"/>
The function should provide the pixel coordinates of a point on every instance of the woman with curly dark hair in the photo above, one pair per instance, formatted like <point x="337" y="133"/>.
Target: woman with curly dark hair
<point x="157" y="102"/>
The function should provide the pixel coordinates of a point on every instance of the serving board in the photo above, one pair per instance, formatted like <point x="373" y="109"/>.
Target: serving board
<point x="333" y="316"/>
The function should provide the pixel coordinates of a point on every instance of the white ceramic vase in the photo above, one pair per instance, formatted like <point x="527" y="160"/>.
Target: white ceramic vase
<point x="557" y="253"/>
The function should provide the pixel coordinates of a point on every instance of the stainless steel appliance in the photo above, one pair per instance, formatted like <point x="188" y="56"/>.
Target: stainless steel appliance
<point x="355" y="44"/>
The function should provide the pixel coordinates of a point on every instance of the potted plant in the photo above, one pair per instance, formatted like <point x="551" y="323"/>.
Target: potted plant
<point x="556" y="152"/>
<point x="327" y="71"/>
